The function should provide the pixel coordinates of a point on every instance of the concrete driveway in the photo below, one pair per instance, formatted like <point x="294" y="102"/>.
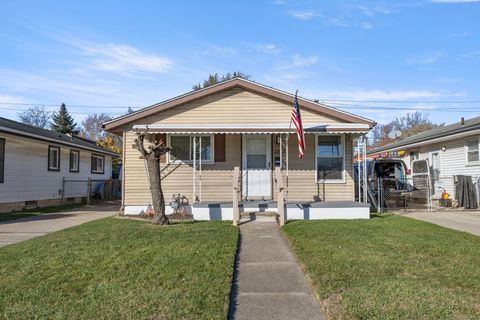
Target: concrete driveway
<point x="18" y="230"/>
<point x="467" y="221"/>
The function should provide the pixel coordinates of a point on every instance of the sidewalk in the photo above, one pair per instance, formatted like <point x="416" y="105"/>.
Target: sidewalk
<point x="467" y="221"/>
<point x="269" y="283"/>
<point x="22" y="229"/>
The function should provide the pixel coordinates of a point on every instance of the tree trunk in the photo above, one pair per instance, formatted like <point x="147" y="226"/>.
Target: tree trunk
<point x="152" y="159"/>
<point x="158" y="201"/>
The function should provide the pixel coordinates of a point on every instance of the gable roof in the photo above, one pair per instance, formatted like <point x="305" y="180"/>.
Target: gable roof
<point x="248" y="85"/>
<point x="426" y="137"/>
<point x="28" y="131"/>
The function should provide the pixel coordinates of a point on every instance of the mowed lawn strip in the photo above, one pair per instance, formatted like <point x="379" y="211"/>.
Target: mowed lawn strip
<point x="120" y="269"/>
<point x="36" y="212"/>
<point x="390" y="267"/>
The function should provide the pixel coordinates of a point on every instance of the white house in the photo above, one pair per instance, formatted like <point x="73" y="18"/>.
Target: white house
<point x="34" y="162"/>
<point x="451" y="150"/>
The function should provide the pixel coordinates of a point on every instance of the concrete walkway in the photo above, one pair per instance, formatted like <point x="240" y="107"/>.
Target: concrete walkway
<point x="22" y="229"/>
<point x="269" y="283"/>
<point x="467" y="221"/>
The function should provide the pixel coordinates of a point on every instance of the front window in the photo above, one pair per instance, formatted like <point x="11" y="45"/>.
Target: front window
<point x="472" y="151"/>
<point x="53" y="158"/>
<point x="184" y="146"/>
<point x="330" y="153"/>
<point x="74" y="161"/>
<point x="98" y="164"/>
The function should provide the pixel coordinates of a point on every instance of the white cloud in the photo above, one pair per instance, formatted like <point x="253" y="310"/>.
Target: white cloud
<point x="373" y="10"/>
<point x="298" y="61"/>
<point x="454" y="1"/>
<point x="125" y="59"/>
<point x="338" y="22"/>
<point x="472" y="55"/>
<point x="304" y="15"/>
<point x="378" y="94"/>
<point x="462" y="34"/>
<point x="6" y="98"/>
<point x="219" y="51"/>
<point x="366" y="25"/>
<point x="428" y="59"/>
<point x="269" y="48"/>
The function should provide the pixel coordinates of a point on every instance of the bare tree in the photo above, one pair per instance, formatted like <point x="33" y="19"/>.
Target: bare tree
<point x="92" y="126"/>
<point x="36" y="116"/>
<point x="152" y="159"/>
<point x="402" y="127"/>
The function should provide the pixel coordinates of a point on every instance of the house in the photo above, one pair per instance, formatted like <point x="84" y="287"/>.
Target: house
<point x="451" y="150"/>
<point x="34" y="162"/>
<point x="243" y="124"/>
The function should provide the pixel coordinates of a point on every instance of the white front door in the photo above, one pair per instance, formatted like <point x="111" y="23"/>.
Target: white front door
<point x="257" y="160"/>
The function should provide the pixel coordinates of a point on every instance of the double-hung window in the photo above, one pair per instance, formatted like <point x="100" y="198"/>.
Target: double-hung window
<point x="98" y="164"/>
<point x="53" y="158"/>
<point x="185" y="146"/>
<point x="74" y="161"/>
<point x="330" y="152"/>
<point x="472" y="150"/>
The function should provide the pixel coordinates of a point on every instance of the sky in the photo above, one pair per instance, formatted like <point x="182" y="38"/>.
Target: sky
<point x="377" y="59"/>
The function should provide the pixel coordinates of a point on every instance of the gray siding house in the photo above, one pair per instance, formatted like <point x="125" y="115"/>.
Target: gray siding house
<point x="34" y="162"/>
<point x="451" y="150"/>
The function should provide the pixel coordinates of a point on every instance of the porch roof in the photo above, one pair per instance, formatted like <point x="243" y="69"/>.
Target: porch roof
<point x="253" y="128"/>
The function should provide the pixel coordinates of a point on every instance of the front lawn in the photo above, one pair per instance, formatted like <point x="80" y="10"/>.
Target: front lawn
<point x="36" y="212"/>
<point x="390" y="267"/>
<point x="120" y="269"/>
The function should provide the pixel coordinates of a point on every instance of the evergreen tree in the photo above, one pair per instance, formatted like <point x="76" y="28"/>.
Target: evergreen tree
<point x="63" y="122"/>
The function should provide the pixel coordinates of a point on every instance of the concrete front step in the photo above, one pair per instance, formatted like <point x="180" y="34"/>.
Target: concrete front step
<point x="253" y="214"/>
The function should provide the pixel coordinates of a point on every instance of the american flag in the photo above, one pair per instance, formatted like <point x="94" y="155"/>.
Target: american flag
<point x="297" y="121"/>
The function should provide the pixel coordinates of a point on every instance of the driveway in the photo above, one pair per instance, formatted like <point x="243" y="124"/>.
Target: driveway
<point x="18" y="230"/>
<point x="467" y="221"/>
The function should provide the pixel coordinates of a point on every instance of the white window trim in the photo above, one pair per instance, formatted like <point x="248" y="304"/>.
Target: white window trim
<point x="59" y="155"/>
<point x="430" y="159"/>
<point x="212" y="142"/>
<point x="331" y="181"/>
<point x="77" y="152"/>
<point x="473" y="163"/>
<point x="103" y="164"/>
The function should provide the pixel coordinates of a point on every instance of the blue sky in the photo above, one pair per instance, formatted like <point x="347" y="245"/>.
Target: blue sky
<point x="387" y="57"/>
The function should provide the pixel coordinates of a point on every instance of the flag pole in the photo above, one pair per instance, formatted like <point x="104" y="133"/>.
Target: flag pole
<point x="288" y="136"/>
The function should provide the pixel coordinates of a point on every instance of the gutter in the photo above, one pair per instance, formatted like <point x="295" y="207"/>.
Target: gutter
<point x="47" y="139"/>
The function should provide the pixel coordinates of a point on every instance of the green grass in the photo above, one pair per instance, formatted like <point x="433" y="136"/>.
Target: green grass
<point x="36" y="212"/>
<point x="120" y="269"/>
<point x="390" y="267"/>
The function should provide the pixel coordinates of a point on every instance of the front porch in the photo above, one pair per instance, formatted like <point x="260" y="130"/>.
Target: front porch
<point x="293" y="211"/>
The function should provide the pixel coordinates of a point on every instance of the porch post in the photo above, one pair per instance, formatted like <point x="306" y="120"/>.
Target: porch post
<point x="279" y="188"/>
<point x="235" y="185"/>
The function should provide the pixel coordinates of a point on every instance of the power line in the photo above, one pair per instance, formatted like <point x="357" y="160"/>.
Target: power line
<point x="58" y="105"/>
<point x="397" y="101"/>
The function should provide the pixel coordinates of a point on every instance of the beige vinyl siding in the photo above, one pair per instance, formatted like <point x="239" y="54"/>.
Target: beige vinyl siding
<point x="216" y="177"/>
<point x="235" y="106"/>
<point x="302" y="185"/>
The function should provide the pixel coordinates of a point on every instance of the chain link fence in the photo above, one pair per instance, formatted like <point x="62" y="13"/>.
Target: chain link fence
<point x="90" y="191"/>
<point x="426" y="193"/>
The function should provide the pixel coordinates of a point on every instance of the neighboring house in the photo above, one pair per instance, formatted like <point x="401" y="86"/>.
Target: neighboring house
<point x="451" y="150"/>
<point x="34" y="162"/>
<point x="240" y="123"/>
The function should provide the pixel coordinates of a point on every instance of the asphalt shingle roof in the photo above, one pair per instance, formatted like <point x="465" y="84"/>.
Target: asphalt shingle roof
<point x="470" y="124"/>
<point x="81" y="143"/>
